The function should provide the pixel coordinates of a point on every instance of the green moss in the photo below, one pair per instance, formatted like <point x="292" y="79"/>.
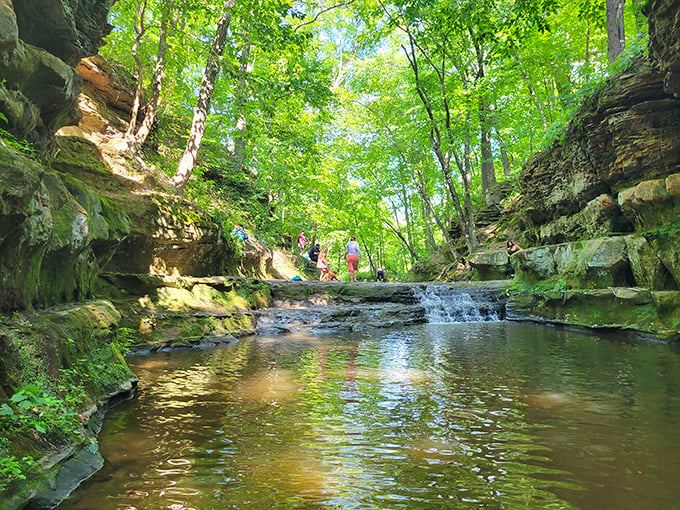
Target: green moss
<point x="55" y="365"/>
<point x="634" y="310"/>
<point x="74" y="152"/>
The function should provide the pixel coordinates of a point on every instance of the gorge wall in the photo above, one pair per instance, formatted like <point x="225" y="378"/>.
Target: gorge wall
<point x="600" y="209"/>
<point x="77" y="211"/>
<point x="79" y="216"/>
<point x="78" y="205"/>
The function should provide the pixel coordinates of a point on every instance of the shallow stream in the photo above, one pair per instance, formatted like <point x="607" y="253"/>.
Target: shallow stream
<point x="477" y="415"/>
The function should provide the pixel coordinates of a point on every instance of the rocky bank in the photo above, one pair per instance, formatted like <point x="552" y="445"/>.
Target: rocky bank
<point x="599" y="211"/>
<point x="78" y="215"/>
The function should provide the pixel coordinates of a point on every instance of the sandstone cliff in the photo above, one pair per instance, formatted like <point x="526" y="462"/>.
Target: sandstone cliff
<point x="600" y="209"/>
<point x="78" y="215"/>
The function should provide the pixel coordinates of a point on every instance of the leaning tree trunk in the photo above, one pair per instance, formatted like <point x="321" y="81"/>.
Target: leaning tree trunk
<point x="241" y="103"/>
<point x="151" y="109"/>
<point x="400" y="236"/>
<point x="443" y="157"/>
<point x="188" y="161"/>
<point x="140" y="29"/>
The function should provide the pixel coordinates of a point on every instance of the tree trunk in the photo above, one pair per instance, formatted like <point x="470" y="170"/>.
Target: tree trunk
<point x="532" y="94"/>
<point x="616" y="37"/>
<point x="430" y="244"/>
<point x="420" y="185"/>
<point x="466" y="217"/>
<point x="241" y="98"/>
<point x="409" y="223"/>
<point x="401" y="237"/>
<point x="140" y="30"/>
<point x="151" y="109"/>
<point x="188" y="161"/>
<point x="443" y="157"/>
<point x="366" y="251"/>
<point x="505" y="160"/>
<point x="488" y="169"/>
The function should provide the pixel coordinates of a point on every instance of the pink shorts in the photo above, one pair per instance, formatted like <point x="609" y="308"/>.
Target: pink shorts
<point x="352" y="262"/>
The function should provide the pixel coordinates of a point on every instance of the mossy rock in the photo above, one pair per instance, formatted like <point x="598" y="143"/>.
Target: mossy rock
<point x="74" y="154"/>
<point x="74" y="357"/>
<point x="626" y="309"/>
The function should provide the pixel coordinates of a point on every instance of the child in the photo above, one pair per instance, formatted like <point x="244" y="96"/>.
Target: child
<point x="322" y="263"/>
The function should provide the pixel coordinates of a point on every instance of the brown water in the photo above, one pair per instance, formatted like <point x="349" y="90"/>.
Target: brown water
<point x="496" y="415"/>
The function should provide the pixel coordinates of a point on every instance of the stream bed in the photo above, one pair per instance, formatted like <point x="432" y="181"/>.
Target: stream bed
<point x="475" y="415"/>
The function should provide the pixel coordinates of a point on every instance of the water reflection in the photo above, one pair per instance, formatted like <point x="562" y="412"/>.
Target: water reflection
<point x="498" y="415"/>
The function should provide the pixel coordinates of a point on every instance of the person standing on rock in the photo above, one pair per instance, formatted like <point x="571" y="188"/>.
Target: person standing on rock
<point x="352" y="254"/>
<point x="322" y="263"/>
<point x="302" y="241"/>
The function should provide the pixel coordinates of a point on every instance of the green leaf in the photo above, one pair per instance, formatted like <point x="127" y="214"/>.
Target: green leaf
<point x="18" y="397"/>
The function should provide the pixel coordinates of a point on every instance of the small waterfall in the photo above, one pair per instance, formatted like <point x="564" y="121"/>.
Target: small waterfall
<point x="445" y="304"/>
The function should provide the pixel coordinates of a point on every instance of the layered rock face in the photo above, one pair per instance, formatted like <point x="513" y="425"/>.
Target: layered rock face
<point x="577" y="189"/>
<point x="91" y="209"/>
<point x="603" y="204"/>
<point x="626" y="136"/>
<point x="40" y="42"/>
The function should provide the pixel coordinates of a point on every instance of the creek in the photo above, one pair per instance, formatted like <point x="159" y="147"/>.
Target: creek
<point x="466" y="411"/>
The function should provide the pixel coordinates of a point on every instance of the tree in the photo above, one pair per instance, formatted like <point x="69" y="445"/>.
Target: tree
<point x="188" y="160"/>
<point x="136" y="134"/>
<point x="616" y="37"/>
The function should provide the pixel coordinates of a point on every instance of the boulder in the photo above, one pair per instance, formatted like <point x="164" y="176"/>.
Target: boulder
<point x="605" y="263"/>
<point x="491" y="264"/>
<point x="648" y="269"/>
<point x="37" y="82"/>
<point x="651" y="204"/>
<point x="596" y="263"/>
<point x="69" y="29"/>
<point x="666" y="245"/>
<point x="535" y="264"/>
<point x="598" y="218"/>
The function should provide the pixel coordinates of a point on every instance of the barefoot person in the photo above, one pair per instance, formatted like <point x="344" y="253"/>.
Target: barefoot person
<point x="352" y="254"/>
<point x="322" y="263"/>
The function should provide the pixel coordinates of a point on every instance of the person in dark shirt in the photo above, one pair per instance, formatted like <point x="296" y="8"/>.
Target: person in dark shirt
<point x="380" y="274"/>
<point x="314" y="253"/>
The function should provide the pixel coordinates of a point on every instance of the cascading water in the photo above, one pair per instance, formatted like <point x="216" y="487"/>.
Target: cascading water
<point x="446" y="305"/>
<point x="336" y="307"/>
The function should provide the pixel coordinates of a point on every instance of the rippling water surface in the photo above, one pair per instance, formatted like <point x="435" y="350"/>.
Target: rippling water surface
<point x="496" y="415"/>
